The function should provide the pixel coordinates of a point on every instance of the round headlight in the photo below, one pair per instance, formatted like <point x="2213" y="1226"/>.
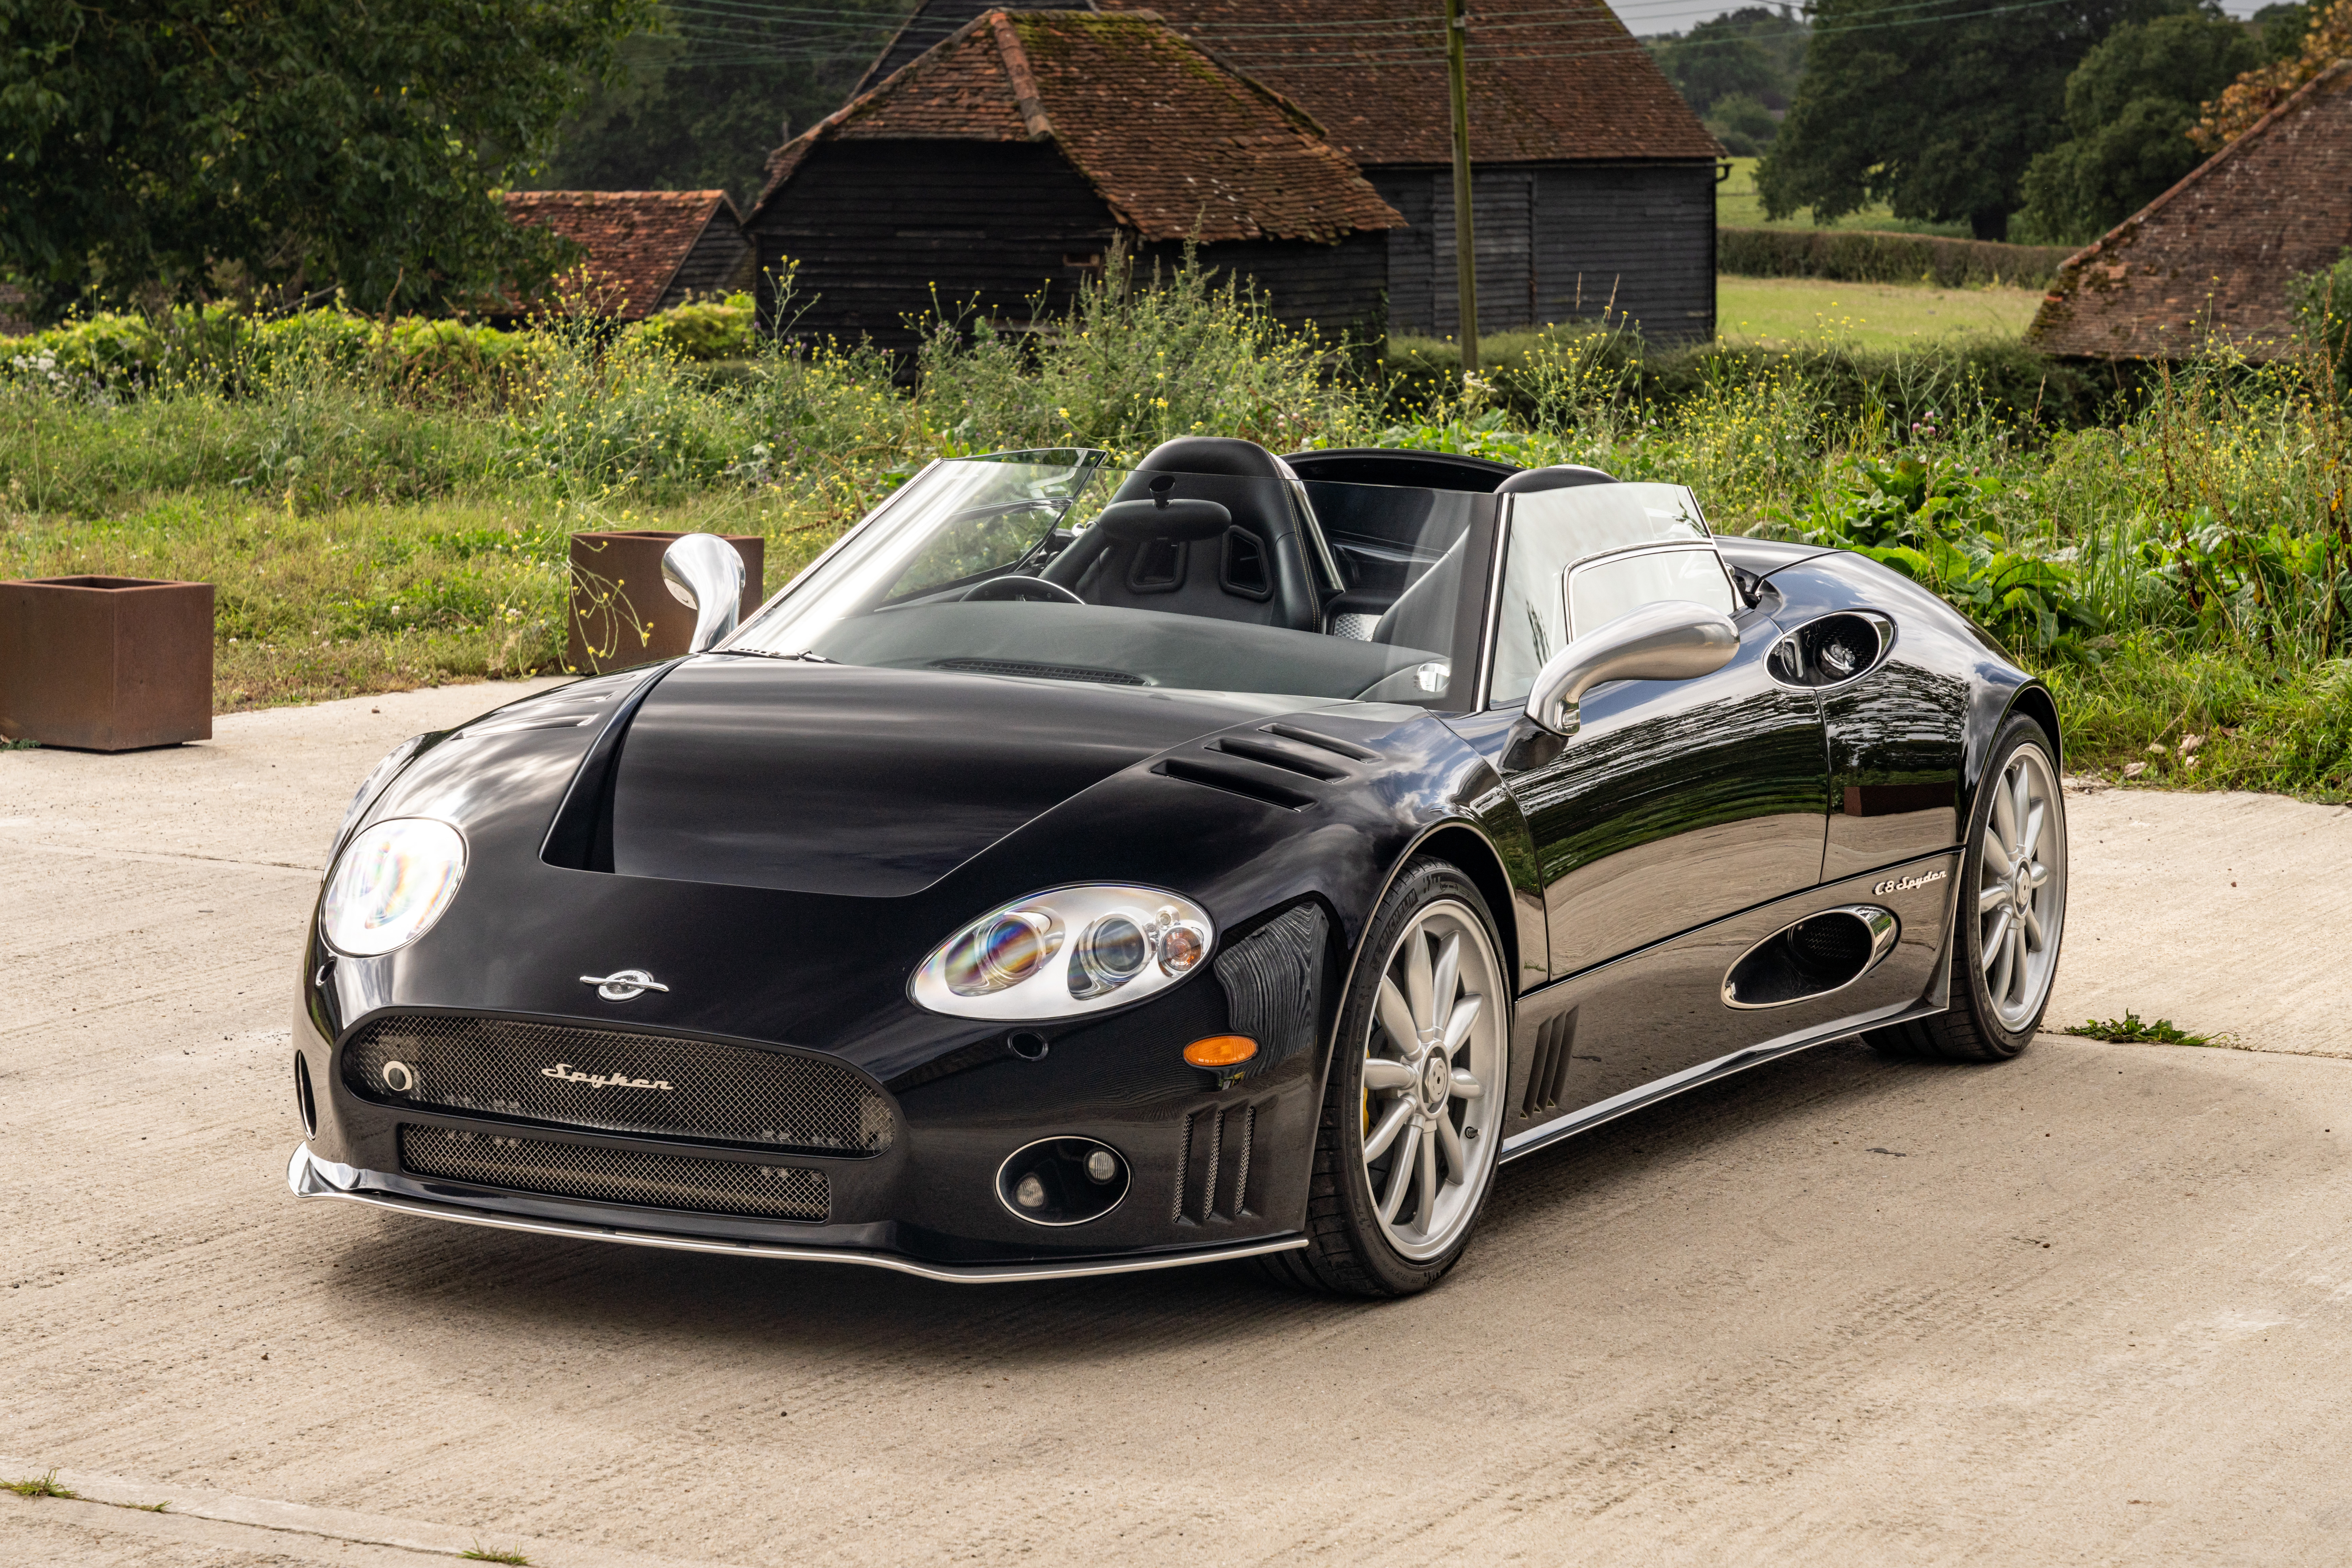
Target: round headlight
<point x="390" y="883"/>
<point x="1001" y="952"/>
<point x="1112" y="953"/>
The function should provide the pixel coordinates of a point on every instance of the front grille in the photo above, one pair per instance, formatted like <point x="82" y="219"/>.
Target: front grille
<point x="615" y="1175"/>
<point x="652" y="1085"/>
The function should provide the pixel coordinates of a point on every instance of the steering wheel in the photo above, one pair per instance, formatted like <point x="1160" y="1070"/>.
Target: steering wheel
<point x="1028" y="589"/>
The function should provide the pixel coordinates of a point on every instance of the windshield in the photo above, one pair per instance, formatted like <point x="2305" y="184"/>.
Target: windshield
<point x="1060" y="566"/>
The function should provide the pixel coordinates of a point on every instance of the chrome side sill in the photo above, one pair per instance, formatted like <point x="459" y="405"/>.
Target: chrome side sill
<point x="308" y="1177"/>
<point x="1632" y="1100"/>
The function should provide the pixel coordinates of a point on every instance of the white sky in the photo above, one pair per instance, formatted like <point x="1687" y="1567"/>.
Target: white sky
<point x="1646" y="16"/>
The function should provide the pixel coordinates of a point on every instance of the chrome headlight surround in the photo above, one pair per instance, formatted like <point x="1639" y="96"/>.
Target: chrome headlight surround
<point x="1063" y="952"/>
<point x="391" y="882"/>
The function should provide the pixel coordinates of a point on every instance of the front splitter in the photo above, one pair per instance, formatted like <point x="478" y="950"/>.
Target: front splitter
<point x="308" y="1177"/>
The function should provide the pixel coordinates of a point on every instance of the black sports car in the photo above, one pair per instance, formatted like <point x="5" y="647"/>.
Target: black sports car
<point x="1079" y="869"/>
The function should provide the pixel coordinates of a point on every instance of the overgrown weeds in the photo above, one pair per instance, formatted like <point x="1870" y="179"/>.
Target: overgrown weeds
<point x="386" y="504"/>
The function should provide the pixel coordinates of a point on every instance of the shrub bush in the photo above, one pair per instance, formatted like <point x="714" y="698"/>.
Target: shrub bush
<point x="1864" y="255"/>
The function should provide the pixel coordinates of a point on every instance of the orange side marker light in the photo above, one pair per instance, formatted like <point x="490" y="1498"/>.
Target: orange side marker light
<point x="1220" y="1052"/>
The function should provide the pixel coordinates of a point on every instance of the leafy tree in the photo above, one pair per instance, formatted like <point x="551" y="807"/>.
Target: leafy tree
<point x="1752" y="51"/>
<point x="2129" y="106"/>
<point x="698" y="103"/>
<point x="1743" y="124"/>
<point x="161" y="148"/>
<point x="1934" y="109"/>
<point x="2264" y="88"/>
<point x="2280" y="28"/>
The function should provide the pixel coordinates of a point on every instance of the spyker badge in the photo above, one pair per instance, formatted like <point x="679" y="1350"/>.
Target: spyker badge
<point x="623" y="984"/>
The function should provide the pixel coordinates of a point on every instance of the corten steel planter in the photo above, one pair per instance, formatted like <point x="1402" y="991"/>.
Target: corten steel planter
<point x="106" y="664"/>
<point x="622" y="613"/>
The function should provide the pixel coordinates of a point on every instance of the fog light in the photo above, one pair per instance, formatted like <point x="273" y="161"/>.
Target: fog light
<point x="1062" y="1180"/>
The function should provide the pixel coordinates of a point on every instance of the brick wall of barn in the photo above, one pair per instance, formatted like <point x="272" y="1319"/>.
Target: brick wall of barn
<point x="1556" y="242"/>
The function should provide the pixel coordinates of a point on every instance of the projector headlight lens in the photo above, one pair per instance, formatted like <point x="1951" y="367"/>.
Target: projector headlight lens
<point x="391" y="881"/>
<point x="1021" y="960"/>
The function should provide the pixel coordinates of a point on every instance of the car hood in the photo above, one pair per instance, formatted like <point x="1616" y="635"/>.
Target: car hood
<point x="873" y="782"/>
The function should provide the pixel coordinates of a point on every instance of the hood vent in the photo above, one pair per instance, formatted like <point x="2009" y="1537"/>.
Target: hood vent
<point x="1235" y="777"/>
<point x="1273" y="756"/>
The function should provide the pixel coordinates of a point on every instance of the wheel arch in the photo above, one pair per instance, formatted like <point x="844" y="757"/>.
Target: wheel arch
<point x="2034" y="700"/>
<point x="1468" y="851"/>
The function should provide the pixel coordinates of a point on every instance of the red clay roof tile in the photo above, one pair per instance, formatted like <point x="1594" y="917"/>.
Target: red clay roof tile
<point x="634" y="239"/>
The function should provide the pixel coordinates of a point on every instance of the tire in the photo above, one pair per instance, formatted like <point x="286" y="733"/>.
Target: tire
<point x="1419" y="1069"/>
<point x="2005" y="937"/>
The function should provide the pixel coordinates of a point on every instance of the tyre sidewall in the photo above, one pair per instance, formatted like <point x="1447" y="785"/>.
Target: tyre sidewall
<point x="2017" y="732"/>
<point x="1425" y="882"/>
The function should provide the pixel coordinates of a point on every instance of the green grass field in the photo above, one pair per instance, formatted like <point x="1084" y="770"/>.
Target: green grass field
<point x="1737" y="205"/>
<point x="1783" y="311"/>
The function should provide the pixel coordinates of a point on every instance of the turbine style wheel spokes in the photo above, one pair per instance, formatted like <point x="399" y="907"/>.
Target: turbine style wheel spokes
<point x="2021" y="888"/>
<point x="1432" y="1095"/>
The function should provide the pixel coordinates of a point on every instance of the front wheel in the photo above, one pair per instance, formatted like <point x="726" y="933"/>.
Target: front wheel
<point x="1413" y="1110"/>
<point x="2012" y="909"/>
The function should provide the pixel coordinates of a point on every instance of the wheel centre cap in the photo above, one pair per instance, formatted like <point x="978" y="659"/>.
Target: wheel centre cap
<point x="1436" y="1080"/>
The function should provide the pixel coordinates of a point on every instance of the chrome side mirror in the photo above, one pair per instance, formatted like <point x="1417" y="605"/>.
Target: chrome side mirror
<point x="1674" y="639"/>
<point x="703" y="571"/>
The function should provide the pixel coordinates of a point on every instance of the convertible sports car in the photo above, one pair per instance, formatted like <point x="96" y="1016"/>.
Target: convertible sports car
<point x="1079" y="869"/>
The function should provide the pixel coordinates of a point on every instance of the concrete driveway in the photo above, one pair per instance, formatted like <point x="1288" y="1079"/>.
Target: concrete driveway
<point x="2095" y="1305"/>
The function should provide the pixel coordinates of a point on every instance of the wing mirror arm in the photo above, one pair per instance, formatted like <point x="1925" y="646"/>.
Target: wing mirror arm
<point x="1674" y="639"/>
<point x="703" y="573"/>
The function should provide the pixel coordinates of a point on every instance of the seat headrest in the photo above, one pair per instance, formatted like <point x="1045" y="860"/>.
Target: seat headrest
<point x="1558" y="476"/>
<point x="1212" y="454"/>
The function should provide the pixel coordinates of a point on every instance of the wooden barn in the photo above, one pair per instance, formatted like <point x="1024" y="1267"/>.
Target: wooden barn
<point x="2213" y="256"/>
<point x="647" y="250"/>
<point x="997" y="170"/>
<point x="1591" y="179"/>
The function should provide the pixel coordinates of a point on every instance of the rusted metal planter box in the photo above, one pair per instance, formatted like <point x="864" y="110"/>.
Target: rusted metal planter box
<point x="622" y="613"/>
<point x="106" y="664"/>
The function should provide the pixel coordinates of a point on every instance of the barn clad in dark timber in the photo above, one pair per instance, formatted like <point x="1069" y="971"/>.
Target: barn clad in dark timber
<point x="1000" y="166"/>
<point x="1591" y="179"/>
<point x="647" y="250"/>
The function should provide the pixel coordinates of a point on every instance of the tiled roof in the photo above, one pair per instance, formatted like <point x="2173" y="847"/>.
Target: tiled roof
<point x="2214" y="255"/>
<point x="931" y="23"/>
<point x="1559" y="80"/>
<point x="636" y="239"/>
<point x="1179" y="145"/>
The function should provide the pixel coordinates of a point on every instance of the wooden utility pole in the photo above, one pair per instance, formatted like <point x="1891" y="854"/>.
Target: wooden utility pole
<point x="1465" y="242"/>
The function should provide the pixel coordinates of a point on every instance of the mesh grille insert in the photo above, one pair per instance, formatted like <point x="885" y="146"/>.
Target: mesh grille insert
<point x="651" y="1084"/>
<point x="615" y="1175"/>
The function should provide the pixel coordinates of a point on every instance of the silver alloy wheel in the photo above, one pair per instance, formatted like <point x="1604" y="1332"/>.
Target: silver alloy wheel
<point x="2021" y="888"/>
<point x="1432" y="1098"/>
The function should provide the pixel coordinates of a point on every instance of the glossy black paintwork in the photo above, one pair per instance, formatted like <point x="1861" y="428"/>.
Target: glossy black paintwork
<point x="862" y="815"/>
<point x="828" y="970"/>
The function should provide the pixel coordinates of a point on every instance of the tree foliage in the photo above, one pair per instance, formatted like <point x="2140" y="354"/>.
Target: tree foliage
<point x="696" y="109"/>
<point x="2129" y="107"/>
<point x="1934" y="109"/>
<point x="158" y="149"/>
<point x="2265" y="87"/>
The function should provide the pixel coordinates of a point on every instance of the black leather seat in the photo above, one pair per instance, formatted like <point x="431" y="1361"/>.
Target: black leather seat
<point x="1422" y="615"/>
<point x="1253" y="569"/>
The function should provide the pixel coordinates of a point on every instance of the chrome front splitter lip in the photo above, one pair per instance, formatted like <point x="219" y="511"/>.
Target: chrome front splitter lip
<point x="308" y="1177"/>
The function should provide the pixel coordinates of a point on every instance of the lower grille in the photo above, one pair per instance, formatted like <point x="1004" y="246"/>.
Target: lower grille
<point x="609" y="1080"/>
<point x="615" y="1175"/>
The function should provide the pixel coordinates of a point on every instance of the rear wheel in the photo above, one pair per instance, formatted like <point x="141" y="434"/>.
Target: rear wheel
<point x="1413" y="1110"/>
<point x="2013" y="910"/>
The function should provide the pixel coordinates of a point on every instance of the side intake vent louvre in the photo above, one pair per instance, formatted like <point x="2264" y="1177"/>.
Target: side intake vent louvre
<point x="1547" y="1074"/>
<point x="1212" y="1172"/>
<point x="1235" y="777"/>
<point x="1040" y="671"/>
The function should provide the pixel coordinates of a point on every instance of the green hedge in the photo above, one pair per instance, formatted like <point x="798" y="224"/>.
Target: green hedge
<point x="1862" y="256"/>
